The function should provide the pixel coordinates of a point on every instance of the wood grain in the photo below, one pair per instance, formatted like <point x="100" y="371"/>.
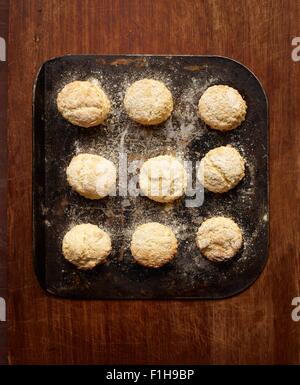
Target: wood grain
<point x="253" y="327"/>
<point x="3" y="179"/>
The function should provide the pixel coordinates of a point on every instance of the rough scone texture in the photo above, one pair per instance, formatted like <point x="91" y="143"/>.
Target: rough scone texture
<point x="148" y="102"/>
<point x="163" y="178"/>
<point x="221" y="169"/>
<point x="86" y="246"/>
<point x="219" y="238"/>
<point x="153" y="244"/>
<point x="222" y="108"/>
<point x="91" y="175"/>
<point x="83" y="103"/>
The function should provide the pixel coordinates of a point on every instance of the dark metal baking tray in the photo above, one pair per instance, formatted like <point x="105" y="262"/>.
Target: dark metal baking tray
<point x="56" y="207"/>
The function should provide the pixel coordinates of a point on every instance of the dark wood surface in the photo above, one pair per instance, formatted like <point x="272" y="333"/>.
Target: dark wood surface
<point x="3" y="179"/>
<point x="253" y="327"/>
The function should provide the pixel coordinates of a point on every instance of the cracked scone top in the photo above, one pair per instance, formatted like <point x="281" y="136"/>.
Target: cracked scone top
<point x="221" y="169"/>
<point x="86" y="246"/>
<point x="222" y="108"/>
<point x="83" y="103"/>
<point x="163" y="178"/>
<point x="91" y="176"/>
<point x="153" y="244"/>
<point x="219" y="238"/>
<point x="148" y="102"/>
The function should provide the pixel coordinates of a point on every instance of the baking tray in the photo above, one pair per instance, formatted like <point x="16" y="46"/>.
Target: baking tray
<point x="56" y="208"/>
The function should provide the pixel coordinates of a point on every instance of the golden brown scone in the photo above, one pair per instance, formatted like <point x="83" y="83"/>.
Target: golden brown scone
<point x="222" y="108"/>
<point x="86" y="246"/>
<point x="221" y="169"/>
<point x="153" y="244"/>
<point x="163" y="178"/>
<point x="83" y="103"/>
<point x="219" y="238"/>
<point x="91" y="175"/>
<point x="148" y="102"/>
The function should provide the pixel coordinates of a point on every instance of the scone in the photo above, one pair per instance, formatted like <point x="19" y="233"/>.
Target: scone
<point x="92" y="176"/>
<point x="219" y="238"/>
<point x="148" y="102"/>
<point x="163" y="178"/>
<point x="153" y="244"/>
<point x="221" y="169"/>
<point x="86" y="246"/>
<point x="83" y="103"/>
<point x="222" y="108"/>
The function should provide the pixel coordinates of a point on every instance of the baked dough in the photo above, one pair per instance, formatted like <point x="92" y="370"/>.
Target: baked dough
<point x="153" y="244"/>
<point x="86" y="246"/>
<point x="163" y="178"/>
<point x="148" y="102"/>
<point x="219" y="238"/>
<point x="221" y="169"/>
<point x="92" y="176"/>
<point x="222" y="108"/>
<point x="83" y="103"/>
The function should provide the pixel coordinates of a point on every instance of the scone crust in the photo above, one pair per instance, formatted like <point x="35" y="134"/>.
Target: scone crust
<point x="91" y="176"/>
<point x="86" y="246"/>
<point x="153" y="244"/>
<point x="219" y="238"/>
<point x="222" y="108"/>
<point x="163" y="178"/>
<point x="221" y="169"/>
<point x="148" y="102"/>
<point x="83" y="103"/>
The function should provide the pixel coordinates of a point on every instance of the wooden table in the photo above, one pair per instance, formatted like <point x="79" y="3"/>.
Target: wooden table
<point x="253" y="327"/>
<point x="3" y="177"/>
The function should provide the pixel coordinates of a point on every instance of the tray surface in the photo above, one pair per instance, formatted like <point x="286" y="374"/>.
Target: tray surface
<point x="56" y="208"/>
